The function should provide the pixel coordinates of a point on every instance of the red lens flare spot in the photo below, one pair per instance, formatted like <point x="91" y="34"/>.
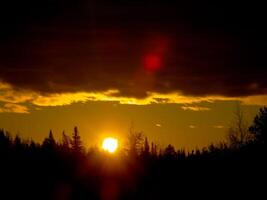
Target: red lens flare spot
<point x="152" y="62"/>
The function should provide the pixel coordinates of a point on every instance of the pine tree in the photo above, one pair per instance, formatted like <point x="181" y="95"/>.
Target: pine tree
<point x="259" y="126"/>
<point x="146" y="147"/>
<point x="153" y="149"/>
<point x="49" y="142"/>
<point x="169" y="151"/>
<point x="65" y="141"/>
<point x="18" y="143"/>
<point x="76" y="143"/>
<point x="136" y="142"/>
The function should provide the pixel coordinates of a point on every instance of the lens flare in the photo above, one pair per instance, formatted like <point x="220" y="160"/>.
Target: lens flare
<point x="152" y="62"/>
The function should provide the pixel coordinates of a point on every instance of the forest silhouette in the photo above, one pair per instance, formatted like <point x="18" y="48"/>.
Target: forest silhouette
<point x="67" y="170"/>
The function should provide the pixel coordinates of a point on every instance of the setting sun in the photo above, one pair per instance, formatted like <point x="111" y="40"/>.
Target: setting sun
<point x="110" y="144"/>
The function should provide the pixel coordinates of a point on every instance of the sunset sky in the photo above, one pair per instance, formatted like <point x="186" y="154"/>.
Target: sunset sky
<point x="175" y="70"/>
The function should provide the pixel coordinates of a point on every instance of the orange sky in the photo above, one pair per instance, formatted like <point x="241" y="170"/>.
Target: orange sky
<point x="182" y="125"/>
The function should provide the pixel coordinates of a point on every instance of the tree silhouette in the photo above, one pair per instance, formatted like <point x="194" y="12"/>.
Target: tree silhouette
<point x="65" y="141"/>
<point x="238" y="133"/>
<point x="49" y="143"/>
<point x="169" y="151"/>
<point x="146" y="146"/>
<point x="146" y="149"/>
<point x="76" y="143"/>
<point x="18" y="145"/>
<point x="259" y="126"/>
<point x="5" y="141"/>
<point x="154" y="149"/>
<point x="135" y="140"/>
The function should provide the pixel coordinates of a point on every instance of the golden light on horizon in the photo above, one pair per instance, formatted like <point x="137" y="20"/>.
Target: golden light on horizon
<point x="110" y="144"/>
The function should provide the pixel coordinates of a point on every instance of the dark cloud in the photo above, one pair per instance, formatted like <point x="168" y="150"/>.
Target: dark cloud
<point x="202" y="47"/>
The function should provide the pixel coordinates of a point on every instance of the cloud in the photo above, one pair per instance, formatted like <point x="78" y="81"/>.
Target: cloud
<point x="9" y="94"/>
<point x="192" y="126"/>
<point x="58" y="47"/>
<point x="195" y="108"/>
<point x="60" y="99"/>
<point x="4" y="86"/>
<point x="12" y="99"/>
<point x="13" y="108"/>
<point x="218" y="126"/>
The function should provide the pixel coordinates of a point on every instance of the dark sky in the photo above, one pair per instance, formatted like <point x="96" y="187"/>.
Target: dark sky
<point x="196" y="47"/>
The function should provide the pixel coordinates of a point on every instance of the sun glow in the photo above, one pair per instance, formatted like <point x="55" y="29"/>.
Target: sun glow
<point x="110" y="144"/>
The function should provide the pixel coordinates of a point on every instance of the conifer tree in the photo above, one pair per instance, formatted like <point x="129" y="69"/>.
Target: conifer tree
<point x="76" y="143"/>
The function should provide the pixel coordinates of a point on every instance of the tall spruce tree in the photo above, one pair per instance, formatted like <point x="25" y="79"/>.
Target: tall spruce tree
<point x="76" y="143"/>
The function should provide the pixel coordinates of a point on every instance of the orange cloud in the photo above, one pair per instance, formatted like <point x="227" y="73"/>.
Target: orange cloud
<point x="13" y="108"/>
<point x="13" y="99"/>
<point x="218" y="126"/>
<point x="192" y="126"/>
<point x="60" y="99"/>
<point x="195" y="108"/>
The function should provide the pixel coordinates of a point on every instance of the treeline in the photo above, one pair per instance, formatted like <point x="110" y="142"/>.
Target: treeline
<point x="241" y="138"/>
<point x="8" y="143"/>
<point x="65" y="169"/>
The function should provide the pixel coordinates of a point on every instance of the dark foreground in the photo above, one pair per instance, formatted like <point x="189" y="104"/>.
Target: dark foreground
<point x="31" y="171"/>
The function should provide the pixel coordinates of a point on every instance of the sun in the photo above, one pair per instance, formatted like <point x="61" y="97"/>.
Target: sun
<point x="110" y="144"/>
